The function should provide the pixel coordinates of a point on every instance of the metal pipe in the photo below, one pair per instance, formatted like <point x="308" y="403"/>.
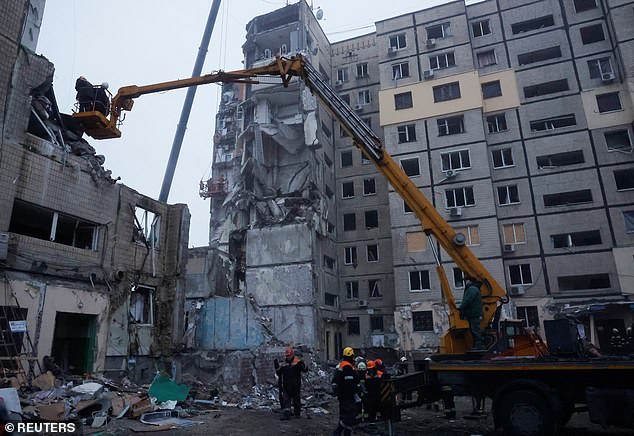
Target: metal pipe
<point x="187" y="105"/>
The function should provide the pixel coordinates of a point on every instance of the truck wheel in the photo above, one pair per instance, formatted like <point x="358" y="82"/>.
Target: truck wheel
<point x="525" y="413"/>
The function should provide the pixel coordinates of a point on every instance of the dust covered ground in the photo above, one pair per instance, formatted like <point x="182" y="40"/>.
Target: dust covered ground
<point x="226" y="421"/>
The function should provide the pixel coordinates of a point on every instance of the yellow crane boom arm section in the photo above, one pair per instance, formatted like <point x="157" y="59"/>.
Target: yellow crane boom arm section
<point x="454" y="341"/>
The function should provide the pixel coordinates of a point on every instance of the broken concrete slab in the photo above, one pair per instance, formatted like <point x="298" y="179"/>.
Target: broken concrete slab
<point x="89" y="388"/>
<point x="44" y="381"/>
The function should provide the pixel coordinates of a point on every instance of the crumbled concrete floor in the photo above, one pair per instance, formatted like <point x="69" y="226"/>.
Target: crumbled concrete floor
<point x="418" y="421"/>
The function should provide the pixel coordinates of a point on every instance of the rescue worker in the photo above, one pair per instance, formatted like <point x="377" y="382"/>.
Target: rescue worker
<point x="471" y="310"/>
<point x="345" y="385"/>
<point x="361" y="372"/>
<point x="102" y="102"/>
<point x="290" y="382"/>
<point x="373" y="386"/>
<point x="618" y="343"/>
<point x="85" y="94"/>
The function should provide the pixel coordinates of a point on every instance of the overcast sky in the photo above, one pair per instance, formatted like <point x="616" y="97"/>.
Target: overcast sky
<point x="139" y="42"/>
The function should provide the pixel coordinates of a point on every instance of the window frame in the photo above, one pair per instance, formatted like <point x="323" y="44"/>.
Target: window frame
<point x="351" y="194"/>
<point x="406" y="100"/>
<point x="481" y="28"/>
<point x="423" y="322"/>
<point x="395" y="41"/>
<point x="398" y="67"/>
<point x="421" y="282"/>
<point x="521" y="270"/>
<point x="447" y="125"/>
<point x="362" y="68"/>
<point x="352" y="290"/>
<point x="449" y="61"/>
<point x="486" y="55"/>
<point x="366" y="192"/>
<point x="350" y="255"/>
<point x="608" y="95"/>
<point x="587" y="38"/>
<point x="411" y="159"/>
<point x="372" y="295"/>
<point x="406" y="133"/>
<point x="366" y="99"/>
<point x="374" y="250"/>
<point x="494" y="121"/>
<point x="447" y="92"/>
<point x="366" y="214"/>
<point x="511" y="190"/>
<point x="464" y="190"/>
<point x="502" y="158"/>
<point x="630" y="179"/>
<point x="353" y="321"/>
<point x="354" y="221"/>
<point x="461" y="153"/>
<point x="445" y="30"/>
<point x="494" y="86"/>
<point x="513" y="226"/>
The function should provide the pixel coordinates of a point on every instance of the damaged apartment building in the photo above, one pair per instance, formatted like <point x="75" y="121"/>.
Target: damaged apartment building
<point x="89" y="268"/>
<point x="514" y="120"/>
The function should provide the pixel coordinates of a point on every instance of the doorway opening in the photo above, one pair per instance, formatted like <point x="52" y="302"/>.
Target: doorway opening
<point x="74" y="342"/>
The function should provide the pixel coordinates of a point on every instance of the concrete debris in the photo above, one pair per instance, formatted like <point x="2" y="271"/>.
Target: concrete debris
<point x="89" y="388"/>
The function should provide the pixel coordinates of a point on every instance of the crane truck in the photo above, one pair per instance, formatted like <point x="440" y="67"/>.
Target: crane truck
<point x="534" y="390"/>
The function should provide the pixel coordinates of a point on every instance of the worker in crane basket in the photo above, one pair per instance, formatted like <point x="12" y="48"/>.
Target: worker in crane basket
<point x="345" y="385"/>
<point x="290" y="382"/>
<point x="471" y="310"/>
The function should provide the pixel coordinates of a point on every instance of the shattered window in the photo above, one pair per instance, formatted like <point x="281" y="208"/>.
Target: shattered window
<point x="147" y="227"/>
<point x="508" y="195"/>
<point x="560" y="159"/>
<point x="480" y="28"/>
<point x="598" y="67"/>
<point x="459" y="197"/>
<point x="326" y="130"/>
<point x="491" y="89"/>
<point x="521" y="274"/>
<point x="450" y="125"/>
<point x="591" y="34"/>
<point x="618" y="140"/>
<point x="347" y="190"/>
<point x="448" y="91"/>
<point x="331" y="299"/>
<point x="439" y="31"/>
<point x="373" y="253"/>
<point x="442" y="61"/>
<point x="624" y="179"/>
<point x="403" y="100"/>
<point x="584" y="5"/>
<point x="609" y="102"/>
<point x="362" y="70"/>
<point x="533" y="24"/>
<point x="352" y="290"/>
<point x="371" y="219"/>
<point x="497" y="123"/>
<point x="346" y="98"/>
<point x="400" y="70"/>
<point x="329" y="262"/>
<point x="411" y="167"/>
<point x="350" y="256"/>
<point x="346" y="159"/>
<point x="369" y="186"/>
<point x="406" y="133"/>
<point x="419" y="281"/>
<point x="423" y="321"/>
<point x="376" y="323"/>
<point x="342" y="75"/>
<point x="529" y="314"/>
<point x="374" y="288"/>
<point x="142" y="304"/>
<point x="349" y="222"/>
<point x="553" y="123"/>
<point x="539" y="55"/>
<point x="455" y="160"/>
<point x="398" y="41"/>
<point x="502" y="158"/>
<point x="458" y="278"/>
<point x="43" y="223"/>
<point x="406" y="208"/>
<point x="568" y="198"/>
<point x="486" y="58"/>
<point x="364" y="97"/>
<point x="353" y="326"/>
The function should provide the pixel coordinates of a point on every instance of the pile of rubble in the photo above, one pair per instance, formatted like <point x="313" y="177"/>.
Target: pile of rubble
<point x="94" y="403"/>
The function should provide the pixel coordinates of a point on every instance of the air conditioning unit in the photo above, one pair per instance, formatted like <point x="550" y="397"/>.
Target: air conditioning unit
<point x="455" y="211"/>
<point x="358" y="107"/>
<point x="4" y="245"/>
<point x="339" y="83"/>
<point x="391" y="50"/>
<point x="509" y="248"/>
<point x="363" y="303"/>
<point x="431" y="43"/>
<point x="428" y="74"/>
<point x="607" y="77"/>
<point x="451" y="173"/>
<point x="516" y="290"/>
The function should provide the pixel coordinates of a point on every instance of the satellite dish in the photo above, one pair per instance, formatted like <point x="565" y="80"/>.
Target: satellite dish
<point x="320" y="13"/>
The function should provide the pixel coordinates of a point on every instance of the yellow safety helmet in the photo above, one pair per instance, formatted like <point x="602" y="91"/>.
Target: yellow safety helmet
<point x="348" y="352"/>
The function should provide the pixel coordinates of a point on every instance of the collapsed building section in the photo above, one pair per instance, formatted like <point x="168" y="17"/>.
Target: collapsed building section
<point x="89" y="268"/>
<point x="272" y="203"/>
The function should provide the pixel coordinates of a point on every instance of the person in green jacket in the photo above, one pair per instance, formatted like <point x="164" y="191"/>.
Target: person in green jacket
<point x="471" y="310"/>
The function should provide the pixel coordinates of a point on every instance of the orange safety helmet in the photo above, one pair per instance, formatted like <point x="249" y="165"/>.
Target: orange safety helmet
<point x="289" y="352"/>
<point x="378" y="362"/>
<point x="371" y="364"/>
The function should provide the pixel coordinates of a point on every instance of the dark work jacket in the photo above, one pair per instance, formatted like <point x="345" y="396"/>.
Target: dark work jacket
<point x="290" y="374"/>
<point x="471" y="306"/>
<point x="346" y="380"/>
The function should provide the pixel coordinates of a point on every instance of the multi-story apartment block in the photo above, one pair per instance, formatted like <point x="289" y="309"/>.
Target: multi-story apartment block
<point x="514" y="119"/>
<point x="90" y="269"/>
